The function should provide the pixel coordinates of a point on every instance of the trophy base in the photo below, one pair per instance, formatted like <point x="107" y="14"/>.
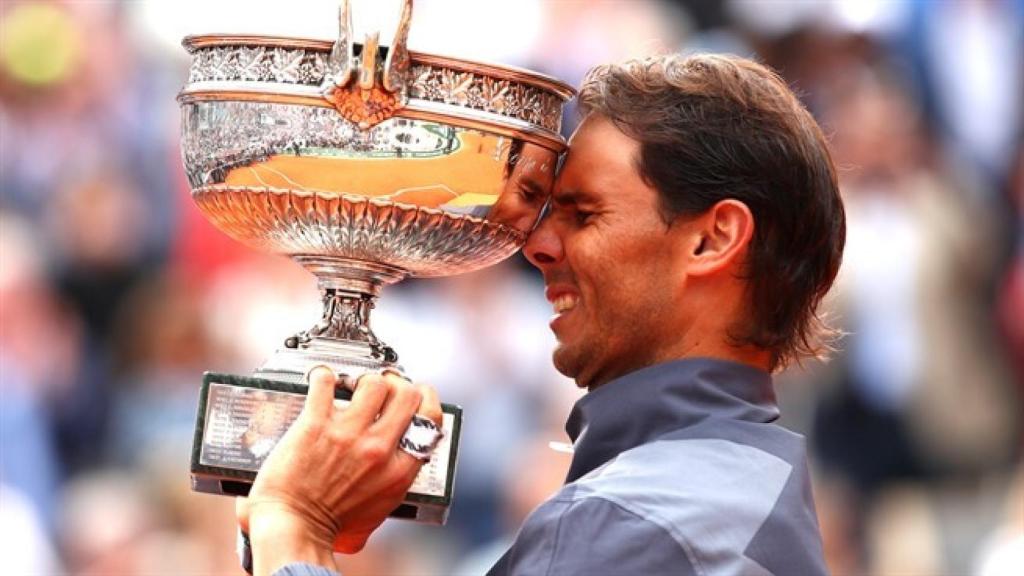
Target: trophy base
<point x="240" y="419"/>
<point x="350" y="358"/>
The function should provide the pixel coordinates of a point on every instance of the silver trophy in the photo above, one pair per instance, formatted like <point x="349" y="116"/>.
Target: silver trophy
<point x="366" y="165"/>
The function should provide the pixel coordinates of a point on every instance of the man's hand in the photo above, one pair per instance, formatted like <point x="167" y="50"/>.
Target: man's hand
<point x="336" y="474"/>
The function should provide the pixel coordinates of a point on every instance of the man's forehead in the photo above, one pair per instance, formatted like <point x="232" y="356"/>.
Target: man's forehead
<point x="568" y="194"/>
<point x="598" y="145"/>
<point x="587" y="176"/>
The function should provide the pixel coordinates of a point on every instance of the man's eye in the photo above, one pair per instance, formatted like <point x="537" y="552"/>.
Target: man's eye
<point x="582" y="216"/>
<point x="531" y="194"/>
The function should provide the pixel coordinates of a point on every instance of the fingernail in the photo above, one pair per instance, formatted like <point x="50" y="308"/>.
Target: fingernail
<point x="353" y="383"/>
<point x="309" y="373"/>
<point x="396" y="372"/>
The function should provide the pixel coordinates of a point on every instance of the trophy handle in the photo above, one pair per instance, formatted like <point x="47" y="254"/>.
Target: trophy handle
<point x="367" y="102"/>
<point x="341" y="57"/>
<point x="396" y="66"/>
<point x="368" y="62"/>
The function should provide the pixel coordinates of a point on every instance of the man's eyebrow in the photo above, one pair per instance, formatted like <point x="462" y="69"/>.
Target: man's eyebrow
<point x="571" y="196"/>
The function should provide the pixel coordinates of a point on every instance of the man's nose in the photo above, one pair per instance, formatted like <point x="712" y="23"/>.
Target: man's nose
<point x="544" y="247"/>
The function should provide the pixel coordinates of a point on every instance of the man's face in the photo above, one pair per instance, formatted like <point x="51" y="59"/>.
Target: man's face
<point x="526" y="188"/>
<point x="611" y="264"/>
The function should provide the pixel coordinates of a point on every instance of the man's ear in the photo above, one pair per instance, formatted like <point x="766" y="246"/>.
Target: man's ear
<point x="722" y="235"/>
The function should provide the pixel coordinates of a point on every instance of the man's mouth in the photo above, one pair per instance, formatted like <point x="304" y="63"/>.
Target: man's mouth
<point x="564" y="302"/>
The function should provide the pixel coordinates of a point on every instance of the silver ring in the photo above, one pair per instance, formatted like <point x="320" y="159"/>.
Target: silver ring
<point x="420" y="438"/>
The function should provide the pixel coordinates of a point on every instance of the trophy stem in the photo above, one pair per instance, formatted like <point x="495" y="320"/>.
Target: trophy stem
<point x="346" y="317"/>
<point x="342" y="338"/>
<point x="344" y="274"/>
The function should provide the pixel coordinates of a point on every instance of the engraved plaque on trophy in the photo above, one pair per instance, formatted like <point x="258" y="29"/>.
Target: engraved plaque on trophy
<point x="365" y="165"/>
<point x="241" y="419"/>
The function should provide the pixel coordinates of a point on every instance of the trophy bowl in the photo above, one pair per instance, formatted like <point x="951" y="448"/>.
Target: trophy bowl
<point x="366" y="165"/>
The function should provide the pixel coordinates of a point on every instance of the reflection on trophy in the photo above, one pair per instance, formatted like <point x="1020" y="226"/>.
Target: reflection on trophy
<point x="266" y="426"/>
<point x="365" y="165"/>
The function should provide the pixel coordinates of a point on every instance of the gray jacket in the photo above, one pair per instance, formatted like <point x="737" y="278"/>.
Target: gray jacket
<point x="678" y="469"/>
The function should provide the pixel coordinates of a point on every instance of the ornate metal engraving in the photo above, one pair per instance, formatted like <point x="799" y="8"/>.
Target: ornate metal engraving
<point x="218" y="136"/>
<point x="259" y="64"/>
<point x="346" y="317"/>
<point x="364" y="107"/>
<point x="502" y="96"/>
<point x="420" y="241"/>
<point x="495" y="95"/>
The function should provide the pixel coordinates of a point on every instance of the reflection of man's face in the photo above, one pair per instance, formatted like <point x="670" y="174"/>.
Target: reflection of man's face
<point x="526" y="189"/>
<point x="611" y="266"/>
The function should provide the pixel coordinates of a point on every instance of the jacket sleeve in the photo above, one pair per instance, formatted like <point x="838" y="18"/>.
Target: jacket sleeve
<point x="299" y="569"/>
<point x="594" y="536"/>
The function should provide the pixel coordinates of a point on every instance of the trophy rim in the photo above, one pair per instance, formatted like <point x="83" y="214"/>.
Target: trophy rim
<point x="277" y="93"/>
<point x="193" y="42"/>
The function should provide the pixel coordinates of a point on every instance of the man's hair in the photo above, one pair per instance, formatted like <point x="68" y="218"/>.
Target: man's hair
<point x="713" y="127"/>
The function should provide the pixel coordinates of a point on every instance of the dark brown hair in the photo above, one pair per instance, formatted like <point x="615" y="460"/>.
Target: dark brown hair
<point x="713" y="127"/>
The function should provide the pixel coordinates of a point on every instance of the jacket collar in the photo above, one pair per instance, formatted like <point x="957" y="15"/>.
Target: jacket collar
<point x="641" y="406"/>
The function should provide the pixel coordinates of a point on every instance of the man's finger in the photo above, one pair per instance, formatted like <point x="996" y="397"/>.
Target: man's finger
<point x="397" y="381"/>
<point x="242" y="513"/>
<point x="430" y="406"/>
<point x="368" y="399"/>
<point x="397" y="413"/>
<point x="320" y="395"/>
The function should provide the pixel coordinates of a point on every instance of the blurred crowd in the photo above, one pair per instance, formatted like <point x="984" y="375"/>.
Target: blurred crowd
<point x="116" y="294"/>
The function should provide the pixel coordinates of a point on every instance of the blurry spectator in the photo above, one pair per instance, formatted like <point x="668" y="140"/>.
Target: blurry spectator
<point x="903" y="533"/>
<point x="969" y="60"/>
<point x="40" y="355"/>
<point x="28" y="461"/>
<point x="102" y="516"/>
<point x="95" y="223"/>
<point x="163" y="347"/>
<point x="78" y="161"/>
<point x="1011" y="298"/>
<point x="195" y="534"/>
<point x="926" y="390"/>
<point x="922" y="346"/>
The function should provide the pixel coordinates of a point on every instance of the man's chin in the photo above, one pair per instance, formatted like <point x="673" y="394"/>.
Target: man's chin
<point x="568" y="363"/>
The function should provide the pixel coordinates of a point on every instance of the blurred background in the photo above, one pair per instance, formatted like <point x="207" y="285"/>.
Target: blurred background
<point x="115" y="294"/>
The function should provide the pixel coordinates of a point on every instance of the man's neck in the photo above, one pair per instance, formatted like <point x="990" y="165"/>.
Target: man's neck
<point x="747" y="355"/>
